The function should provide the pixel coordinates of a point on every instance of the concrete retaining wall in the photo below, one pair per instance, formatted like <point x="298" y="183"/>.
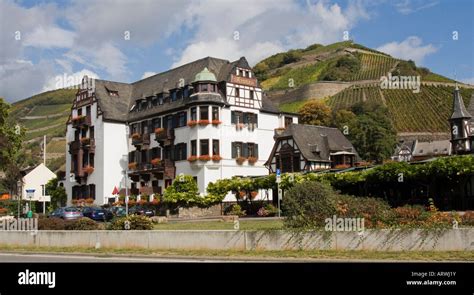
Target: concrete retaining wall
<point x="379" y="240"/>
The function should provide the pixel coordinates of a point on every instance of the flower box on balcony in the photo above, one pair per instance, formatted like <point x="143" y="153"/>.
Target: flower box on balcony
<point x="159" y="131"/>
<point x="132" y="166"/>
<point x="253" y="195"/>
<point x="85" y="140"/>
<point x="216" y="158"/>
<point x="204" y="158"/>
<point x="136" y="136"/>
<point x="88" y="169"/>
<point x="77" y="118"/>
<point x="216" y="122"/>
<point x="156" y="161"/>
<point x="239" y="126"/>
<point x="252" y="160"/>
<point x="279" y="131"/>
<point x="192" y="158"/>
<point x="192" y="123"/>
<point x="89" y="201"/>
<point x="240" y="160"/>
<point x="242" y="194"/>
<point x="204" y="122"/>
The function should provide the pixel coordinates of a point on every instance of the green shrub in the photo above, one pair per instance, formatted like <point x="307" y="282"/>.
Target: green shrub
<point x="51" y="224"/>
<point x="136" y="222"/>
<point x="376" y="212"/>
<point x="235" y="210"/>
<point x="308" y="204"/>
<point x="83" y="223"/>
<point x="271" y="210"/>
<point x="468" y="218"/>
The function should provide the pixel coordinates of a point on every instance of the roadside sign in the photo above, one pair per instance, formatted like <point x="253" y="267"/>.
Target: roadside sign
<point x="30" y="193"/>
<point x="278" y="172"/>
<point x="44" y="199"/>
<point x="280" y="194"/>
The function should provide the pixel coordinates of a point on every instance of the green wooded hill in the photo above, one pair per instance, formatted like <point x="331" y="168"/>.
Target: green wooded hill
<point x="44" y="114"/>
<point x="361" y="68"/>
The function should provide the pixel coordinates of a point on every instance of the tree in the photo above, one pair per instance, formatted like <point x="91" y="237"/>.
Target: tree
<point x="342" y="119"/>
<point x="11" y="156"/>
<point x="184" y="193"/>
<point x="57" y="193"/>
<point x="315" y="112"/>
<point x="372" y="132"/>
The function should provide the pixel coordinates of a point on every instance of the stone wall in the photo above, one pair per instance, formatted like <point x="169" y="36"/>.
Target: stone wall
<point x="315" y="90"/>
<point x="378" y="240"/>
<point x="196" y="212"/>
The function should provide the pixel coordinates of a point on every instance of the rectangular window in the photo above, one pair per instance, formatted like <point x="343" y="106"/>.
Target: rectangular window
<point x="156" y="123"/>
<point x="237" y="92"/>
<point x="186" y="92"/>
<point x="193" y="148"/>
<point x="88" y="110"/>
<point x="160" y="99"/>
<point x="252" y="150"/>
<point x="288" y="121"/>
<point x="91" y="132"/>
<point x="145" y="127"/>
<point x="173" y="96"/>
<point x="144" y="156"/>
<point x="204" y="147"/>
<point x="212" y="88"/>
<point x="237" y="117"/>
<point x="204" y="87"/>
<point x="251" y="94"/>
<point x="215" y="113"/>
<point x="154" y="101"/>
<point x="193" y="114"/>
<point x="215" y="147"/>
<point x="204" y="113"/>
<point x="79" y="112"/>
<point x="181" y="119"/>
<point x="156" y="153"/>
<point x="237" y="149"/>
<point x="180" y="152"/>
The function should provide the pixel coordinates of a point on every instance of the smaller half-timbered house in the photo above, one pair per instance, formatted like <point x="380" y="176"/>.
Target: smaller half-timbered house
<point x="310" y="148"/>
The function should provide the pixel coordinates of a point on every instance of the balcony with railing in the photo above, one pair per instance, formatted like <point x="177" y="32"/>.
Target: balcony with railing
<point x="140" y="139"/>
<point x="164" y="136"/>
<point x="88" y="143"/>
<point x="155" y="166"/>
<point x="81" y="122"/>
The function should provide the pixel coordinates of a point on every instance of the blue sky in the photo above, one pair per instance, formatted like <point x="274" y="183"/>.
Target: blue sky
<point x="43" y="40"/>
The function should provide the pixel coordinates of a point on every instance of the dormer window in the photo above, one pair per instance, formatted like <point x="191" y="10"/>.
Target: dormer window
<point x="205" y="81"/>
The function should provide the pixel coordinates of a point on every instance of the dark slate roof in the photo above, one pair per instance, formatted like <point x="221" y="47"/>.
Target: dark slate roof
<point x="163" y="82"/>
<point x="328" y="140"/>
<point x="113" y="107"/>
<point x="459" y="110"/>
<point x="117" y="108"/>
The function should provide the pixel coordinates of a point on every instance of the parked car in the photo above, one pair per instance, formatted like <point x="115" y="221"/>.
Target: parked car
<point x="56" y="213"/>
<point x="141" y="210"/>
<point x="97" y="213"/>
<point x="70" y="213"/>
<point x="118" y="211"/>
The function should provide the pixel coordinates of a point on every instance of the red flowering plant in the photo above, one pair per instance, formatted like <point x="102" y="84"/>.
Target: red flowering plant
<point x="192" y="123"/>
<point x="204" y="122"/>
<point x="192" y="158"/>
<point x="204" y="158"/>
<point x="216" y="158"/>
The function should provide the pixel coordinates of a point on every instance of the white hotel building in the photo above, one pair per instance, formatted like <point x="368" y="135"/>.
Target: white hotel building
<point x="207" y="118"/>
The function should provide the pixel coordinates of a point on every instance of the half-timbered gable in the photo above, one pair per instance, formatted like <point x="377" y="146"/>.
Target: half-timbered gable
<point x="310" y="148"/>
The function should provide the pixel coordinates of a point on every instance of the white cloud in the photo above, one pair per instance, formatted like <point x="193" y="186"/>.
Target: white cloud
<point x="49" y="37"/>
<point x="411" y="6"/>
<point x="410" y="48"/>
<point x="67" y="80"/>
<point x="148" y="74"/>
<point x="264" y="27"/>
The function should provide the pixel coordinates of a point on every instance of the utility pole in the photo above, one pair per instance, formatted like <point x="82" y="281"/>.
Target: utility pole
<point x="44" y="150"/>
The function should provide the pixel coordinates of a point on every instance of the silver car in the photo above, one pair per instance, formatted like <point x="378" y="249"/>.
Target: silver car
<point x="71" y="213"/>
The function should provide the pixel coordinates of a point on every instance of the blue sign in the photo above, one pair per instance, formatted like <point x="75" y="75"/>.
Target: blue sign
<point x="278" y="172"/>
<point x="30" y="190"/>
